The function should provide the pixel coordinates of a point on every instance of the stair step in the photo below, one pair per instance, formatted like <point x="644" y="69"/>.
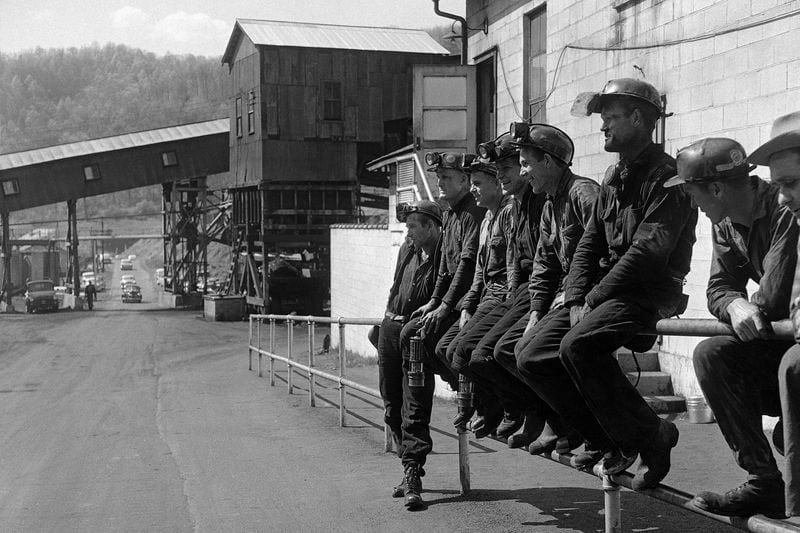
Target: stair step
<point x="666" y="404"/>
<point x="651" y="383"/>
<point x="648" y="361"/>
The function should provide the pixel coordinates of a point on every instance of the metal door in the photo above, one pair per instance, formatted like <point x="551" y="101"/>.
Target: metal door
<point x="444" y="115"/>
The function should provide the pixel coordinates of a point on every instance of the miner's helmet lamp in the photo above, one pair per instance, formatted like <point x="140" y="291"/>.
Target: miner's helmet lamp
<point x="587" y="103"/>
<point x="482" y="165"/>
<point x="500" y="148"/>
<point x="452" y="160"/>
<point x="426" y="207"/>
<point x="545" y="138"/>
<point x="711" y="159"/>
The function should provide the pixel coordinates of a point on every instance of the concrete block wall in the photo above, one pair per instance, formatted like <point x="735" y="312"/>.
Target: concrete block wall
<point x="733" y="84"/>
<point x="362" y="266"/>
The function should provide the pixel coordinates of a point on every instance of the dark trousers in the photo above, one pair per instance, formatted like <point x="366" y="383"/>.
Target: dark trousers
<point x="418" y="401"/>
<point x="789" y="382"/>
<point x="574" y="371"/>
<point x="390" y="375"/>
<point x="477" y="348"/>
<point x="739" y="381"/>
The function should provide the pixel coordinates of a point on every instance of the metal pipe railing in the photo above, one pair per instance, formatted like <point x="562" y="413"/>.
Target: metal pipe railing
<point x="691" y="327"/>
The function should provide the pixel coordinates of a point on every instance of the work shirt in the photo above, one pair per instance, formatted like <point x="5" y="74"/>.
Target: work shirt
<point x="638" y="241"/>
<point x="494" y="254"/>
<point x="765" y="253"/>
<point x="414" y="279"/>
<point x="564" y="218"/>
<point x="460" y="236"/>
<point x="527" y="216"/>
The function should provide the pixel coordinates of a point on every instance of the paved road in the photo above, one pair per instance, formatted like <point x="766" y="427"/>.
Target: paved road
<point x="133" y="418"/>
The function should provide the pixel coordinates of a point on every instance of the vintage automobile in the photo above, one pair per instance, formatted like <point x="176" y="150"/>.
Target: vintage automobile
<point x="125" y="264"/>
<point x="131" y="293"/>
<point x="126" y="278"/>
<point x="40" y="295"/>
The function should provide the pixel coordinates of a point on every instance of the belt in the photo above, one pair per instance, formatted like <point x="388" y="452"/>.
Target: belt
<point x="395" y="318"/>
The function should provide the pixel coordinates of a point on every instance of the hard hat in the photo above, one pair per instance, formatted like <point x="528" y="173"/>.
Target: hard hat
<point x="483" y="165"/>
<point x="426" y="207"/>
<point x="544" y="137"/>
<point x="587" y="103"/>
<point x="500" y="148"/>
<point x="711" y="159"/>
<point x="453" y="160"/>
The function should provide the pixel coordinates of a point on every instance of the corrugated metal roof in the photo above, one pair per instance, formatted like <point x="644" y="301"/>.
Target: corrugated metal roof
<point x="311" y="35"/>
<point x="118" y="142"/>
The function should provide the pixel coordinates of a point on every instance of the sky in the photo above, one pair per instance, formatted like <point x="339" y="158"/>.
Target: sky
<point x="199" y="27"/>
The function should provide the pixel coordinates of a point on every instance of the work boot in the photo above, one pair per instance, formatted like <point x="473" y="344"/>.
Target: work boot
<point x="562" y="442"/>
<point x="586" y="459"/>
<point x="487" y="423"/>
<point x="413" y="487"/>
<point x="461" y="419"/>
<point x="655" y="458"/>
<point x="512" y="421"/>
<point x="533" y="426"/>
<point x="615" y="462"/>
<point x="777" y="437"/>
<point x="757" y="496"/>
<point x="400" y="490"/>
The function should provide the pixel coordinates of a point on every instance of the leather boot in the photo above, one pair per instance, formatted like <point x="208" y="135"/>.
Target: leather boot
<point x="761" y="495"/>
<point x="413" y="487"/>
<point x="656" y="457"/>
<point x="532" y="428"/>
<point x="512" y="421"/>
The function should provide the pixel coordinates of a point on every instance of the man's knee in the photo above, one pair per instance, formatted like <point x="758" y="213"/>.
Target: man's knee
<point x="789" y="369"/>
<point x="708" y="355"/>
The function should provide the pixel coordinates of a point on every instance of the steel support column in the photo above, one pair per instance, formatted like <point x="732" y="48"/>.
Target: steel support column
<point x="185" y="235"/>
<point x="74" y="269"/>
<point x="5" y="289"/>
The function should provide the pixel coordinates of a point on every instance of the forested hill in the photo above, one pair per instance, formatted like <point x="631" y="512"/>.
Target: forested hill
<point x="56" y="96"/>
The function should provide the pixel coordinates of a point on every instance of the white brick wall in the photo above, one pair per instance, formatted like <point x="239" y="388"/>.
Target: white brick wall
<point x="732" y="85"/>
<point x="362" y="267"/>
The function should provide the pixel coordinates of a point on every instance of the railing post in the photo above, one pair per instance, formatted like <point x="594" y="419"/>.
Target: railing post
<point x="311" y="331"/>
<point x="612" y="505"/>
<point x="260" y="355"/>
<point x="249" y="344"/>
<point x="342" y="373"/>
<point x="271" y="351"/>
<point x="290" y="340"/>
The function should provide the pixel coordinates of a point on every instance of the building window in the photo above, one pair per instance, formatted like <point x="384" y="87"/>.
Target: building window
<point x="239" y="117"/>
<point x="91" y="172"/>
<point x="536" y="65"/>
<point x="169" y="159"/>
<point x="251" y="112"/>
<point x="10" y="187"/>
<point x="331" y="100"/>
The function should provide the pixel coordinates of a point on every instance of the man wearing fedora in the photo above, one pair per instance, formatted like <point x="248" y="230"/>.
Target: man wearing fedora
<point x="782" y="154"/>
<point x="754" y="238"/>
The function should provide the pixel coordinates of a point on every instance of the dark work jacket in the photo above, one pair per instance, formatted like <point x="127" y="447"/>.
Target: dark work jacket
<point x="404" y="297"/>
<point x="527" y="216"/>
<point x="460" y="234"/>
<point x="564" y="218"/>
<point x="766" y="254"/>
<point x="638" y="242"/>
<point x="494" y="254"/>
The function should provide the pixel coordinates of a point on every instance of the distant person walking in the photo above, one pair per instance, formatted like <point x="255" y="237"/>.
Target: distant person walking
<point x="91" y="292"/>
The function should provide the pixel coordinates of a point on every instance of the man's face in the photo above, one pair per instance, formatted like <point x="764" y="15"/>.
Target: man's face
<point x="419" y="229"/>
<point x="452" y="183"/>
<point x="709" y="202"/>
<point x="617" y="126"/>
<point x="535" y="171"/>
<point x="784" y="168"/>
<point x="485" y="189"/>
<point x="509" y="175"/>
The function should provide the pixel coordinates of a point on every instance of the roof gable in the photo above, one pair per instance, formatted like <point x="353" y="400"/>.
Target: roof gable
<point x="311" y="35"/>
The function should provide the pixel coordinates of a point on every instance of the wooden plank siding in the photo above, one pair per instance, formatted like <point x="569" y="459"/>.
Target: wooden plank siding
<point x="375" y="88"/>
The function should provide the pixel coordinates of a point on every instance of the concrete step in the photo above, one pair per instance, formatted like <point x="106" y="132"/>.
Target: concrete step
<point x="648" y="361"/>
<point x="666" y="404"/>
<point x="651" y="383"/>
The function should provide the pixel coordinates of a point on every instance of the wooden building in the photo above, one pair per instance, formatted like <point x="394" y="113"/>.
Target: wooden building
<point x="310" y="105"/>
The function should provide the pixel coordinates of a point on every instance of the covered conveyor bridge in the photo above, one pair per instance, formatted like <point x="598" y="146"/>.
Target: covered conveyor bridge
<point x="178" y="157"/>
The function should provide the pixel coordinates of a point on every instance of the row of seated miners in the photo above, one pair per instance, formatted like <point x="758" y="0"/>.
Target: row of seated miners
<point x="533" y="277"/>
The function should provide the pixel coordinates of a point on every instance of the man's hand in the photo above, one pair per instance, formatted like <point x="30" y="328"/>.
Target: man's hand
<point x="747" y="321"/>
<point x="576" y="314"/>
<point x="466" y="316"/>
<point x="430" y="306"/>
<point x="430" y="320"/>
<point x="532" y="321"/>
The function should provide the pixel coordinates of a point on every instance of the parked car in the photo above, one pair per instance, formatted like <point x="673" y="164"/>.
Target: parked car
<point x="126" y="278"/>
<point x="131" y="257"/>
<point x="40" y="295"/>
<point x="125" y="264"/>
<point x="132" y="293"/>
